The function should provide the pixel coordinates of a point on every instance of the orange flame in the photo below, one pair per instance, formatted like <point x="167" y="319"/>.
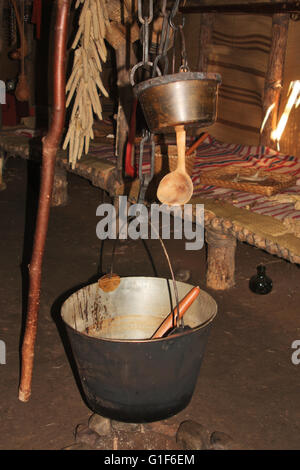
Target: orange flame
<point x="268" y="112"/>
<point x="294" y="99"/>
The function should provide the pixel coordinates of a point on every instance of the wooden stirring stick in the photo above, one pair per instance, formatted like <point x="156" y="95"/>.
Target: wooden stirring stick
<point x="184" y="305"/>
<point x="196" y="144"/>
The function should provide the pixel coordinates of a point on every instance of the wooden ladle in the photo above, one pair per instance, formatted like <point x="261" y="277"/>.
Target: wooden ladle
<point x="176" y="188"/>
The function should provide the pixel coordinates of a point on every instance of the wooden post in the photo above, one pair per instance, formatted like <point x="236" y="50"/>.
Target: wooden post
<point x="122" y="34"/>
<point x="220" y="260"/>
<point x="206" y="29"/>
<point x="2" y="184"/>
<point x="50" y="146"/>
<point x="274" y="75"/>
<point x="60" y="187"/>
<point x="125" y="98"/>
<point x="117" y="209"/>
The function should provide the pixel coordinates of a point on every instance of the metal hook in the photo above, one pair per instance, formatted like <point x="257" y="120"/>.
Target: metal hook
<point x="159" y="58"/>
<point x="172" y="15"/>
<point x="145" y="19"/>
<point x="184" y="65"/>
<point x="148" y="136"/>
<point x="175" y="28"/>
<point x="144" y="65"/>
<point x="163" y="7"/>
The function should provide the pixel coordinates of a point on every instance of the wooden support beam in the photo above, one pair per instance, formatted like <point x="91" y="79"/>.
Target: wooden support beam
<point x="220" y="260"/>
<point x="264" y="8"/>
<point x="274" y="75"/>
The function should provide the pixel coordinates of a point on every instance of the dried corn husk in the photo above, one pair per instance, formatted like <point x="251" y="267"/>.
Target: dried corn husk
<point x="85" y="84"/>
<point x="116" y="11"/>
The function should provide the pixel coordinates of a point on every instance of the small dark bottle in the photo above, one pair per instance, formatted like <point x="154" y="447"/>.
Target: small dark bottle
<point x="261" y="283"/>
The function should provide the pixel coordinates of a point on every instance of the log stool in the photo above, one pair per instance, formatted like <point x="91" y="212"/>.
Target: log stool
<point x="220" y="259"/>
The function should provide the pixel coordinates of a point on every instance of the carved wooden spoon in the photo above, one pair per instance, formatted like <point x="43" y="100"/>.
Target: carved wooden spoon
<point x="176" y="188"/>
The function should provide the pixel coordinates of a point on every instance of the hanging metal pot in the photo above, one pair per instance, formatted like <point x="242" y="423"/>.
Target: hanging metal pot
<point x="184" y="98"/>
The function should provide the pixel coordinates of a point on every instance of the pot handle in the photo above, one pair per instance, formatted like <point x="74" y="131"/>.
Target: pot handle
<point x="144" y="65"/>
<point x="170" y="267"/>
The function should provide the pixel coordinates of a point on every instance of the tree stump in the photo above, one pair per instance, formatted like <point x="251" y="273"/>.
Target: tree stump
<point x="60" y="188"/>
<point x="220" y="260"/>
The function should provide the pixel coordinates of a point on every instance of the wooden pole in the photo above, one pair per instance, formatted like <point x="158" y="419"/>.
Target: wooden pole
<point x="60" y="187"/>
<point x="274" y="75"/>
<point x="220" y="260"/>
<point x="2" y="184"/>
<point x="23" y="43"/>
<point x="125" y="57"/>
<point x="50" y="146"/>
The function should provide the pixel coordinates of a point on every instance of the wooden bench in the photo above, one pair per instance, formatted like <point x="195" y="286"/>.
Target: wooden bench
<point x="224" y="223"/>
<point x="101" y="173"/>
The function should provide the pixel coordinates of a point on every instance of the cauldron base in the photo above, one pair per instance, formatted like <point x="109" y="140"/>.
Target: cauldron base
<point x="138" y="414"/>
<point x="125" y="375"/>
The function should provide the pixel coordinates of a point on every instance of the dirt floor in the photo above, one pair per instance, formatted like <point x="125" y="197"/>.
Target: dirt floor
<point x="248" y="386"/>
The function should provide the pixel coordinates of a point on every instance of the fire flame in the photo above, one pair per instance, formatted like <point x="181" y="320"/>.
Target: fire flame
<point x="268" y="112"/>
<point x="293" y="100"/>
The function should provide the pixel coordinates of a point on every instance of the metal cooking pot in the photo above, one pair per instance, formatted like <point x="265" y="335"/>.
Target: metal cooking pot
<point x="126" y="376"/>
<point x="184" y="98"/>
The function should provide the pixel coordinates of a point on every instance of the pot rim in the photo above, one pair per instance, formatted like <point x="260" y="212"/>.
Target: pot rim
<point x="147" y="340"/>
<point x="175" y="77"/>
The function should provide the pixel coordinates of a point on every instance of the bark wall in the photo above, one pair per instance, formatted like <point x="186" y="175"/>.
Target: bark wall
<point x="243" y="68"/>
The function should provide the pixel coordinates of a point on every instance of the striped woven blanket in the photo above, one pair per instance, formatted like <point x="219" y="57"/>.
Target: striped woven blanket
<point x="212" y="154"/>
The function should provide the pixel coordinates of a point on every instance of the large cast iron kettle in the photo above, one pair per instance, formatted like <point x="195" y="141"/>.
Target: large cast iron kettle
<point x="184" y="98"/>
<point x="124" y="374"/>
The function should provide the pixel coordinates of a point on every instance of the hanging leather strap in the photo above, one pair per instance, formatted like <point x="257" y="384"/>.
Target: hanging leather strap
<point x="37" y="16"/>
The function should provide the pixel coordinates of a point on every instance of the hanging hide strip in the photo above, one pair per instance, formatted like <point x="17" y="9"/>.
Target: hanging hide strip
<point x="37" y="16"/>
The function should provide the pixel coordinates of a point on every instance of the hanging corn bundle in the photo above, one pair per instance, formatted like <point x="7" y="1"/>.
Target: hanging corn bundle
<point x="85" y="80"/>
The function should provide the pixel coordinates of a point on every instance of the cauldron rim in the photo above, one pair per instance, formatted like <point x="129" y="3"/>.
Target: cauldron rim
<point x="147" y="340"/>
<point x="175" y="77"/>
